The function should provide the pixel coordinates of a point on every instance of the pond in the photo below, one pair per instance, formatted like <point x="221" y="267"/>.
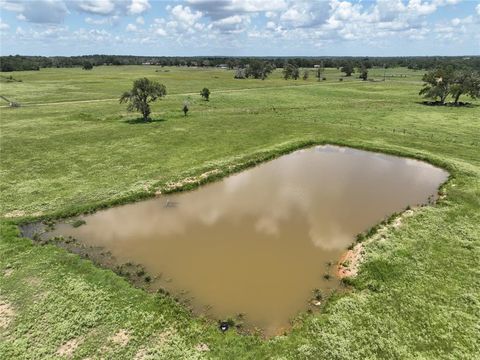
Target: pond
<point x="259" y="242"/>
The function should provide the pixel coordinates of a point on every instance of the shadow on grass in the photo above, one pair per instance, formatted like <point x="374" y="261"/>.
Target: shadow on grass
<point x="141" y="121"/>
<point x="448" y="104"/>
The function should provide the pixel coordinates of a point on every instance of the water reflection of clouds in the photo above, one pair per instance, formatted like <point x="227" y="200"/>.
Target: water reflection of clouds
<point x="332" y="192"/>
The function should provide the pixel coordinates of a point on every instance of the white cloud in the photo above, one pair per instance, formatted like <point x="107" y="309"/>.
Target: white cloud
<point x="478" y="9"/>
<point x="4" y="26"/>
<point x="100" y="7"/>
<point x="306" y="14"/>
<point x="110" y="20"/>
<point x="140" y="20"/>
<point x="161" y="32"/>
<point x="38" y="11"/>
<point x="131" y="27"/>
<point x="221" y="9"/>
<point x="138" y="6"/>
<point x="231" y="25"/>
<point x="185" y="15"/>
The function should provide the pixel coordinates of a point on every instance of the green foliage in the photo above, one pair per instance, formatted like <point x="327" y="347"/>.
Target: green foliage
<point x="465" y="83"/>
<point x="437" y="84"/>
<point x="258" y="69"/>
<point x="87" y="66"/>
<point x="144" y="91"/>
<point x="185" y="108"/>
<point x="290" y="71"/>
<point x="205" y="93"/>
<point x="363" y="73"/>
<point x="347" y="69"/>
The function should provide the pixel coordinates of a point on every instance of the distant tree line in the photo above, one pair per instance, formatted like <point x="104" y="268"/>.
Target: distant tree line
<point x="19" y="63"/>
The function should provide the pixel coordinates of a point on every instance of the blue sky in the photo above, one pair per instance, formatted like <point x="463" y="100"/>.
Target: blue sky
<point x="240" y="27"/>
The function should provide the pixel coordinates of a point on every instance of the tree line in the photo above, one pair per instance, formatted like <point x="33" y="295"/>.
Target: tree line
<point x="19" y="62"/>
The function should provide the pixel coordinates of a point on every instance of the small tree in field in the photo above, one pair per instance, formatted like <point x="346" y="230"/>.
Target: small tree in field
<point x="205" y="94"/>
<point x="305" y="75"/>
<point x="185" y="108"/>
<point x="363" y="73"/>
<point x="347" y="69"/>
<point x="144" y="91"/>
<point x="87" y="66"/>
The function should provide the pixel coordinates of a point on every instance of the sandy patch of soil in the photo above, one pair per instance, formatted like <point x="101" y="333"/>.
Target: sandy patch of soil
<point x="15" y="213"/>
<point x="190" y="180"/>
<point x="67" y="349"/>
<point x="7" y="314"/>
<point x="202" y="347"/>
<point x="121" y="338"/>
<point x="350" y="261"/>
<point x="8" y="272"/>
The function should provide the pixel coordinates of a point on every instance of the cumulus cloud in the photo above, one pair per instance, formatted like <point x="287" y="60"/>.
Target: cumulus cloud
<point x="138" y="6"/>
<point x="131" y="27"/>
<point x="231" y="25"/>
<point x="98" y="7"/>
<point x="185" y="15"/>
<point x="37" y="11"/>
<point x="4" y="26"/>
<point x="110" y="20"/>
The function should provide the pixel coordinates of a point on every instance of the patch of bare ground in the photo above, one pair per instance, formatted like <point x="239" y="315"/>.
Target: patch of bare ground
<point x="15" y="213"/>
<point x="8" y="272"/>
<point x="121" y="338"/>
<point x="202" y="347"/>
<point x="190" y="180"/>
<point x="68" y="349"/>
<point x="158" y="340"/>
<point x="7" y="313"/>
<point x="350" y="261"/>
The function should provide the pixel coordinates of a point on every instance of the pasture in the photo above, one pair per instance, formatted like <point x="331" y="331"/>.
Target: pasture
<point x="72" y="148"/>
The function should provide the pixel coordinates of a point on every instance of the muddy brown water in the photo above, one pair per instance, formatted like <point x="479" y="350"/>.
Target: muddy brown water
<point x="258" y="242"/>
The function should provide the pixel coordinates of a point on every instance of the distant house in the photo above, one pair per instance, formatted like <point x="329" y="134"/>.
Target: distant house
<point x="316" y="66"/>
<point x="146" y="63"/>
<point x="222" y="66"/>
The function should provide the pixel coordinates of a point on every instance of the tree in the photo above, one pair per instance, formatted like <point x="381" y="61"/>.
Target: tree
<point x="319" y="71"/>
<point x="290" y="71"/>
<point x="205" y="93"/>
<point x="305" y="75"/>
<point x="465" y="82"/>
<point x="258" y="69"/>
<point x="437" y="84"/>
<point x="347" y="69"/>
<point x="239" y="73"/>
<point x="144" y="91"/>
<point x="185" y="108"/>
<point x="363" y="73"/>
<point x="87" y="66"/>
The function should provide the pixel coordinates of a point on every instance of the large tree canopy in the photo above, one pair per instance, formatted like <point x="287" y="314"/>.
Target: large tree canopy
<point x="437" y="84"/>
<point x="442" y="82"/>
<point x="144" y="91"/>
<point x="465" y="83"/>
<point x="258" y="69"/>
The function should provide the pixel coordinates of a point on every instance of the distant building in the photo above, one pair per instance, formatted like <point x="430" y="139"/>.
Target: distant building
<point x="146" y="63"/>
<point x="316" y="66"/>
<point x="222" y="66"/>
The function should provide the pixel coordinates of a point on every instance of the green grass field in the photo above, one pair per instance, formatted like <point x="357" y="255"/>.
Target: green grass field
<point x="72" y="148"/>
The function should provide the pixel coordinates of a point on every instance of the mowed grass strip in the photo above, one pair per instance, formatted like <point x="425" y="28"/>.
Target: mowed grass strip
<point x="416" y="294"/>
